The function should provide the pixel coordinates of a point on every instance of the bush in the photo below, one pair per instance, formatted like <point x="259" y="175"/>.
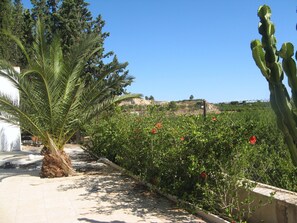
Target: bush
<point x="199" y="160"/>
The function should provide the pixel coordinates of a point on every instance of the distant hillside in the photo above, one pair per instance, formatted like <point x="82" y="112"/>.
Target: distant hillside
<point x="141" y="105"/>
<point x="136" y="101"/>
<point x="178" y="107"/>
<point x="243" y="105"/>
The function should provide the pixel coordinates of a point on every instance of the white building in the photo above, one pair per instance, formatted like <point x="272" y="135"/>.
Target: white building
<point x="10" y="135"/>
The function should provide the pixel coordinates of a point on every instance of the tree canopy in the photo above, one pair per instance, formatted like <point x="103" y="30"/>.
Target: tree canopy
<point x="72" y="21"/>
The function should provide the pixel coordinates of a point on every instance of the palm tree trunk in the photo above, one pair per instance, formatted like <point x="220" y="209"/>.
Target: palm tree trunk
<point x="56" y="164"/>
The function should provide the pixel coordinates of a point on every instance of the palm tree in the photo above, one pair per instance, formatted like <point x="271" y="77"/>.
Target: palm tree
<point x="56" y="98"/>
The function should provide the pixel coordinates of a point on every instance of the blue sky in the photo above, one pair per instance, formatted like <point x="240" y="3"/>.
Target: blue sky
<point x="178" y="48"/>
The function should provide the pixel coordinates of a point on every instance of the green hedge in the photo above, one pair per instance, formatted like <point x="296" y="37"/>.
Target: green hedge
<point x="199" y="160"/>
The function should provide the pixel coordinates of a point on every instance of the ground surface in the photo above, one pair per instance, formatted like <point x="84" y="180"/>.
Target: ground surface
<point x="100" y="195"/>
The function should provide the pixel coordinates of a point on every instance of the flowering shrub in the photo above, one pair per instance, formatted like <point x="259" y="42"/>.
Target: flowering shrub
<point x="154" y="131"/>
<point x="253" y="140"/>
<point x="198" y="160"/>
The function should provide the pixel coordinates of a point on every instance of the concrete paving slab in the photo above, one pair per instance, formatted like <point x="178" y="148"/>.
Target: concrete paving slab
<point x="103" y="195"/>
<point x="96" y="198"/>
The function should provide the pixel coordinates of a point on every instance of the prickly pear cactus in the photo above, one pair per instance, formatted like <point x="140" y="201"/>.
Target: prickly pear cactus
<point x="267" y="58"/>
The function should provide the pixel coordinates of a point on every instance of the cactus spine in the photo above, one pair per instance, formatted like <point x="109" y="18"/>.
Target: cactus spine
<point x="267" y="58"/>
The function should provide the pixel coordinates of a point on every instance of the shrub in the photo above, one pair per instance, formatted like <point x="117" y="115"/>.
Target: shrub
<point x="199" y="160"/>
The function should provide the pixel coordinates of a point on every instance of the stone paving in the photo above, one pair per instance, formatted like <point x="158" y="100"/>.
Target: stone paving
<point x="100" y="195"/>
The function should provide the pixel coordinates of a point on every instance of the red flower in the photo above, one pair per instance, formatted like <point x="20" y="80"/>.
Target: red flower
<point x="158" y="125"/>
<point x="203" y="175"/>
<point x="253" y="140"/>
<point x="182" y="138"/>
<point x="154" y="131"/>
<point x="214" y="119"/>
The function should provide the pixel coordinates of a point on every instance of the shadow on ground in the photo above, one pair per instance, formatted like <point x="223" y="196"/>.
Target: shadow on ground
<point x="109" y="196"/>
<point x="93" y="221"/>
<point x="5" y="173"/>
<point x="113" y="191"/>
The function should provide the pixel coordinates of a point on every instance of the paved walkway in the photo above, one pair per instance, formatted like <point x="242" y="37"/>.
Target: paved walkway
<point x="101" y="195"/>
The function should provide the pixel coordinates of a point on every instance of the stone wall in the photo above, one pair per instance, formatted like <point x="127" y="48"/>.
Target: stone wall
<point x="277" y="205"/>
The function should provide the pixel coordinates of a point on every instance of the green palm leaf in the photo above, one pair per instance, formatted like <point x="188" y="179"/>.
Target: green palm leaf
<point x="56" y="98"/>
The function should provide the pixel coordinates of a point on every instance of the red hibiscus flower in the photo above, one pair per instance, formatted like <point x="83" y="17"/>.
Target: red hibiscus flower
<point x="182" y="138"/>
<point x="158" y="125"/>
<point x="154" y="131"/>
<point x="253" y="140"/>
<point x="203" y="175"/>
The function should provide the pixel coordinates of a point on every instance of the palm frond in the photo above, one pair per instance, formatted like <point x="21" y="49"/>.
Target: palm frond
<point x="18" y="42"/>
<point x="56" y="99"/>
<point x="105" y="104"/>
<point x="13" y="114"/>
<point x="7" y="71"/>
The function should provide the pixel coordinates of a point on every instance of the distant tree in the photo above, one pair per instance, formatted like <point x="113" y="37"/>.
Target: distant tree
<point x="191" y="97"/>
<point x="73" y="20"/>
<point x="172" y="106"/>
<point x="146" y="98"/>
<point x="234" y="102"/>
<point x="6" y="20"/>
<point x="11" y="20"/>
<point x="199" y="104"/>
<point x="41" y="10"/>
<point x="28" y="34"/>
<point x="18" y="30"/>
<point x="6" y="14"/>
<point x="151" y="98"/>
<point x="53" y="6"/>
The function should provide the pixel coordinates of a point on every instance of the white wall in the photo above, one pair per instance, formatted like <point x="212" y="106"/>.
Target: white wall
<point x="10" y="136"/>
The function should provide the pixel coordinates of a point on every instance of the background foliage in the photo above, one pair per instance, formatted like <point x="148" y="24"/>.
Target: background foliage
<point x="72" y="20"/>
